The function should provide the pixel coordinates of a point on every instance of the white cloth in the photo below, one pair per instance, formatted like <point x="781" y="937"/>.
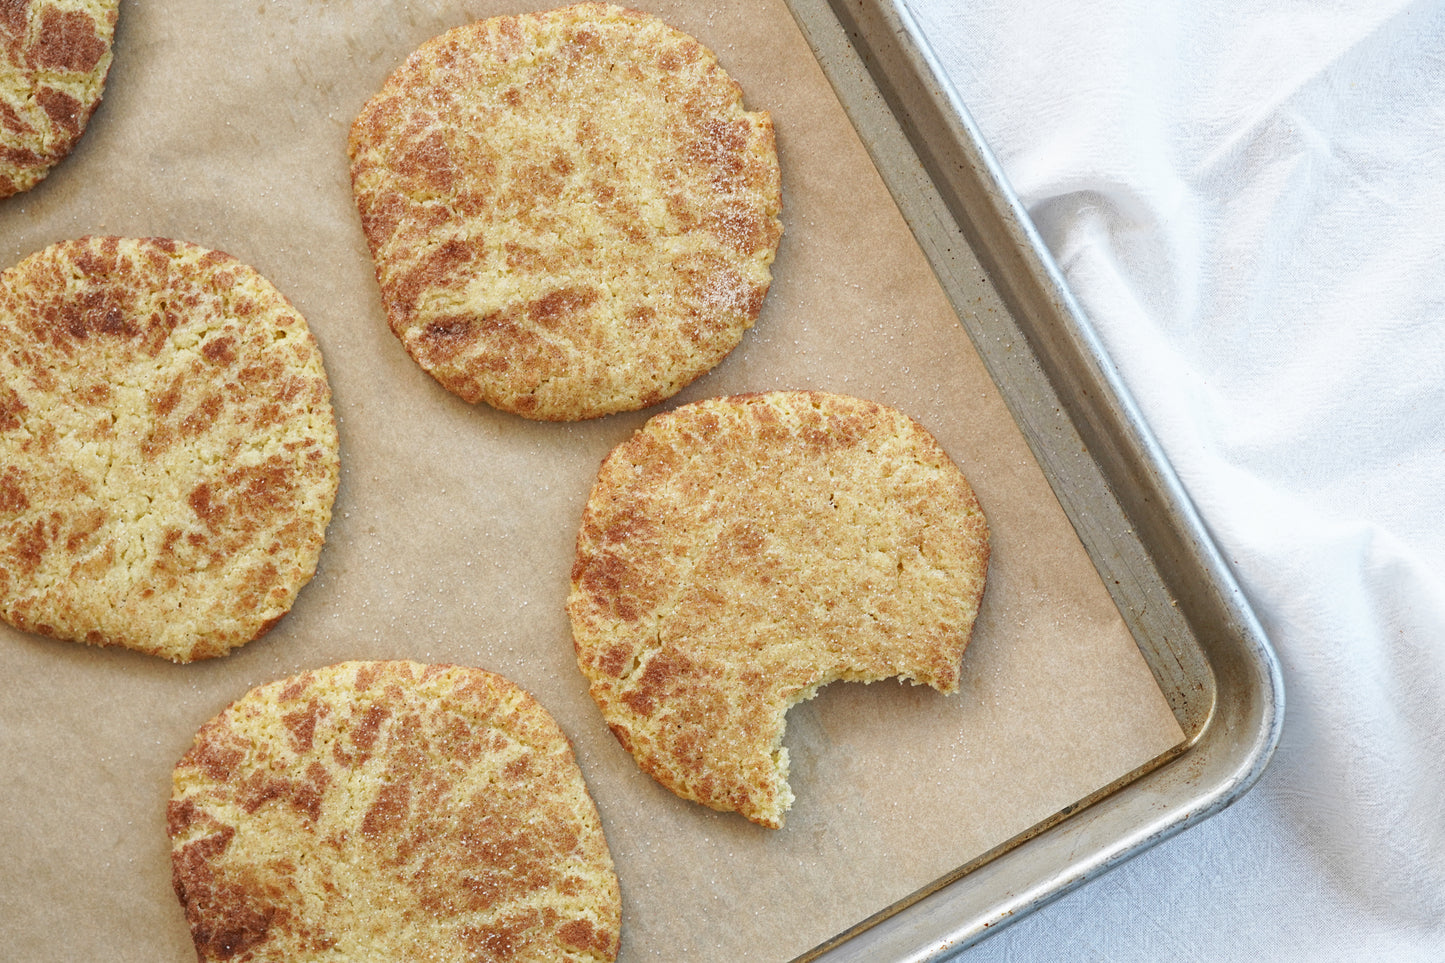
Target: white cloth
<point x="1248" y="199"/>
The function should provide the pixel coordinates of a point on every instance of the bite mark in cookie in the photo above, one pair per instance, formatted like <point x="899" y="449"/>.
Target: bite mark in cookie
<point x="737" y="554"/>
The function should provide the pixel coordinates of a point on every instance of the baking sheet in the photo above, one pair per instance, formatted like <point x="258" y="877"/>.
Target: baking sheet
<point x="225" y="124"/>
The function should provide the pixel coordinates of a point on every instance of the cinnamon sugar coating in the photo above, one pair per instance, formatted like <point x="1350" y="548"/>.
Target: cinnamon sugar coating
<point x="570" y="212"/>
<point x="168" y="452"/>
<point x="390" y="811"/>
<point x="737" y="554"/>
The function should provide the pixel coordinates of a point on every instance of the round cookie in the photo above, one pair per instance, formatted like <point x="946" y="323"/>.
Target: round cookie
<point x="739" y="553"/>
<point x="168" y="454"/>
<point x="390" y="811"/>
<point x="570" y="212"/>
<point x="54" y="56"/>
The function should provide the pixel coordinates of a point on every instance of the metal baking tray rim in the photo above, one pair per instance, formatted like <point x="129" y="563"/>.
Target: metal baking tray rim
<point x="1208" y="651"/>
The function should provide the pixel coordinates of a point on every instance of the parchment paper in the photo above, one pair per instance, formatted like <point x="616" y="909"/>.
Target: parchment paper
<point x="224" y="123"/>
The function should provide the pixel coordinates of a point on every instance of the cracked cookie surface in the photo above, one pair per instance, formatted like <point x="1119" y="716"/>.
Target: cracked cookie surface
<point x="739" y="553"/>
<point x="168" y="452"/>
<point x="570" y="212"/>
<point x="390" y="811"/>
<point x="54" y="58"/>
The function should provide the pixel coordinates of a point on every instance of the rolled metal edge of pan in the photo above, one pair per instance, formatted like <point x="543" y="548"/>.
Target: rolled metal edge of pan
<point x="1188" y="614"/>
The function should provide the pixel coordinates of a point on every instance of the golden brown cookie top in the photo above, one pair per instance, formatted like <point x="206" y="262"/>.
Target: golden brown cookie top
<point x="390" y="811"/>
<point x="739" y="553"/>
<point x="168" y="454"/>
<point x="570" y="212"/>
<point x="54" y="57"/>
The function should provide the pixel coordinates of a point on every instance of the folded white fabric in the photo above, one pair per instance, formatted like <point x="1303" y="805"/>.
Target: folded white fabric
<point x="1249" y="202"/>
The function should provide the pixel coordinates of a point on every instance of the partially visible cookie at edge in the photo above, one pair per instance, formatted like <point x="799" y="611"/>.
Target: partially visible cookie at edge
<point x="168" y="452"/>
<point x="54" y="58"/>
<point x="737" y="554"/>
<point x="570" y="212"/>
<point x="390" y="811"/>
